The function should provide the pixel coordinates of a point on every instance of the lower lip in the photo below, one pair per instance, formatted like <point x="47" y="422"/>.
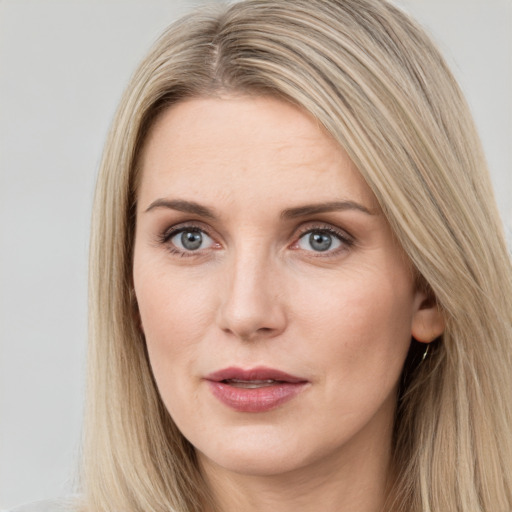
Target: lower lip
<point x="261" y="399"/>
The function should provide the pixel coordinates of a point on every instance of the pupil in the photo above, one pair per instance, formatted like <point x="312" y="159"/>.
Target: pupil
<point x="191" y="240"/>
<point x="320" y="241"/>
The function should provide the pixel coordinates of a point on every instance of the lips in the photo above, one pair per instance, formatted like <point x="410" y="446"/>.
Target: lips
<point x="254" y="390"/>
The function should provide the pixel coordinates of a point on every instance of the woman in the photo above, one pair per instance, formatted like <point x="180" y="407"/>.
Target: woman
<point x="300" y="292"/>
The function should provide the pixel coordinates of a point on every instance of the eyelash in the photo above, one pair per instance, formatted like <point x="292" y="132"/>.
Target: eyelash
<point x="346" y="240"/>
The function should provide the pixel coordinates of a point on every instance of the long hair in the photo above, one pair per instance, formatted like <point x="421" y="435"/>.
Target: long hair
<point x="379" y="86"/>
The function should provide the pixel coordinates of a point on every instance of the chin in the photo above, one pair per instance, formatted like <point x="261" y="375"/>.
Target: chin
<point x="259" y="462"/>
<point x="255" y="453"/>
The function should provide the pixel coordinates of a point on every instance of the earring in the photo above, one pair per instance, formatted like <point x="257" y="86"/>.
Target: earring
<point x="425" y="353"/>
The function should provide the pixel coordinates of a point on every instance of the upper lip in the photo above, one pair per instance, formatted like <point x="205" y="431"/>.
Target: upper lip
<point x="253" y="374"/>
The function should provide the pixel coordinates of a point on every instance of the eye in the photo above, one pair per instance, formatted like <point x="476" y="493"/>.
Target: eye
<point x="319" y="241"/>
<point x="323" y="240"/>
<point x="190" y="239"/>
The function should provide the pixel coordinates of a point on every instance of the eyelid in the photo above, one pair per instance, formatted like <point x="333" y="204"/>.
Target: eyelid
<point x="169" y="232"/>
<point x="307" y="227"/>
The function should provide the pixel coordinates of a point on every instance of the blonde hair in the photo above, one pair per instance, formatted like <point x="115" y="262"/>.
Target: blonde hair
<point x="378" y="85"/>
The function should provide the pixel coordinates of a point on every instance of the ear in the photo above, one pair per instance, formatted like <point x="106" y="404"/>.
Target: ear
<point x="428" y="321"/>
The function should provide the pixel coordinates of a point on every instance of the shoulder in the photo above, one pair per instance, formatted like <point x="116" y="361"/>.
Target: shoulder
<point x="60" y="505"/>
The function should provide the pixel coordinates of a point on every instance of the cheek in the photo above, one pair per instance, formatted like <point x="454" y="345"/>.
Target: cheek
<point x="360" y="328"/>
<point x="170" y="300"/>
<point x="175" y="315"/>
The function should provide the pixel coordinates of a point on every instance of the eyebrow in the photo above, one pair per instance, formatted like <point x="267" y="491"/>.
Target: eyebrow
<point x="182" y="206"/>
<point x="333" y="206"/>
<point x="289" y="213"/>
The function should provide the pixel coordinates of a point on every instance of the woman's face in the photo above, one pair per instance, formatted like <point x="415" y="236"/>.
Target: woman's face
<point x="276" y="305"/>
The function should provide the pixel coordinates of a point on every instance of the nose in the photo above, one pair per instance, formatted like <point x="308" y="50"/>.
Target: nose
<point x="252" y="299"/>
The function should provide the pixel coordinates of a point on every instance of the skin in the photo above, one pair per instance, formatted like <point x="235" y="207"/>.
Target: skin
<point x="258" y="293"/>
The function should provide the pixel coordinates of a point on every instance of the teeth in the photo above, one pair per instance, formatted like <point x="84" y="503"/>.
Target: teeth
<point x="250" y="384"/>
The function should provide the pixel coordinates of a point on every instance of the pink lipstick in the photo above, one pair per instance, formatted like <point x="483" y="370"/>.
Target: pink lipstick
<point x="254" y="390"/>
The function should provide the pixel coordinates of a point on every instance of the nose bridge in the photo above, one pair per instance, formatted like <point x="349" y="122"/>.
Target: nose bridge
<point x="252" y="303"/>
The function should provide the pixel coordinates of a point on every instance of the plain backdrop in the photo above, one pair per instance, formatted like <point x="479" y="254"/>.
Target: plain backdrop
<point x="63" y="66"/>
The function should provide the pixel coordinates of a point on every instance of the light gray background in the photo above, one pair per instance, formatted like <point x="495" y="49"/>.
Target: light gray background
<point x="63" y="66"/>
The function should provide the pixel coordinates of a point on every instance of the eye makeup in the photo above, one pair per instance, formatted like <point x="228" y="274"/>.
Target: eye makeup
<point x="319" y="239"/>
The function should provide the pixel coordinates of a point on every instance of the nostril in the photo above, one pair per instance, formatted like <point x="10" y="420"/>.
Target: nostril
<point x="248" y="310"/>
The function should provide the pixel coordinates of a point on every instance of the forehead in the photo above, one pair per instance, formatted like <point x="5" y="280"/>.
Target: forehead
<point x="241" y="146"/>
